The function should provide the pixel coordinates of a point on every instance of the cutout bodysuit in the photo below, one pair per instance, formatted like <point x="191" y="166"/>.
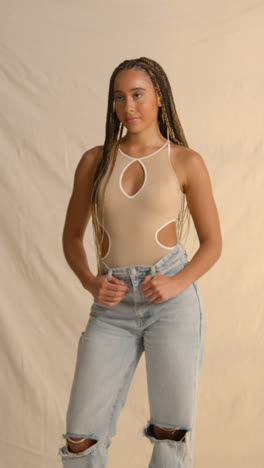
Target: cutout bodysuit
<point x="132" y="222"/>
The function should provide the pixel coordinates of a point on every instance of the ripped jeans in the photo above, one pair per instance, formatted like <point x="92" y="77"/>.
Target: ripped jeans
<point x="171" y="334"/>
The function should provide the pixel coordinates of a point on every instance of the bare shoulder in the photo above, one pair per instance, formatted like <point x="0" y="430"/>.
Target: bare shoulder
<point x="87" y="164"/>
<point x="89" y="159"/>
<point x="188" y="164"/>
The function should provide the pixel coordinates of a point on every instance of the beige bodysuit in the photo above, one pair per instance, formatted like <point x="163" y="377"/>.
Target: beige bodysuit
<point x="132" y="222"/>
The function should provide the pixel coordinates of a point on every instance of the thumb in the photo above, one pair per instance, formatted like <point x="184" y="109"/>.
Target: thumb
<point x="147" y="277"/>
<point x="116" y="280"/>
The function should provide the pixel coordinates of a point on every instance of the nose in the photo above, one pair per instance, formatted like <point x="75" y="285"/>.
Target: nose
<point x="129" y="105"/>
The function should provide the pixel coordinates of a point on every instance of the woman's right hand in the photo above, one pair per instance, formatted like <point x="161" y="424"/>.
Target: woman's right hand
<point x="106" y="292"/>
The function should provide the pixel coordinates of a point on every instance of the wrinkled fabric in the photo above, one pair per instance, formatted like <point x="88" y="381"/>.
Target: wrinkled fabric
<point x="171" y="334"/>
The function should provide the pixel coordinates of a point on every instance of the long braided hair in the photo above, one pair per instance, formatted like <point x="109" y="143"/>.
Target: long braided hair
<point x="169" y="126"/>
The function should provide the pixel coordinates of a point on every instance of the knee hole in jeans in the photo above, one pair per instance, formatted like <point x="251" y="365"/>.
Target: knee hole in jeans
<point x="168" y="433"/>
<point x="79" y="444"/>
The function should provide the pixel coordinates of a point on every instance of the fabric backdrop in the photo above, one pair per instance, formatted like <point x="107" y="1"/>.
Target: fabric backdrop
<point x="56" y="61"/>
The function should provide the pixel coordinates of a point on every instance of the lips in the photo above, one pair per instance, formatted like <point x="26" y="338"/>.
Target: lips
<point x="131" y="119"/>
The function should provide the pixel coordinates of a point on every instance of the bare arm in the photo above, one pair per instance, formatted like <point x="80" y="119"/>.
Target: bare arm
<point x="201" y="203"/>
<point x="78" y="215"/>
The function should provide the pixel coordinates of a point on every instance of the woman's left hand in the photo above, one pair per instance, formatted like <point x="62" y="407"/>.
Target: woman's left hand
<point x="160" y="288"/>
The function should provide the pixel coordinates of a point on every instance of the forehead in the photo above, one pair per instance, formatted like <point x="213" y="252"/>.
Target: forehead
<point x="128" y="80"/>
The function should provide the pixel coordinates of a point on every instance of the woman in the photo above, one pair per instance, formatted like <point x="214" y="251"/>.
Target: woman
<point x="139" y="189"/>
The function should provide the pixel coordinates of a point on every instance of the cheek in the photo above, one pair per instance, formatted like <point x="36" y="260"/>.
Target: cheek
<point x="147" y="109"/>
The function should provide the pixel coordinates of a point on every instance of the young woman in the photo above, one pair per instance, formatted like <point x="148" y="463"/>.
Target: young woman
<point x="140" y="189"/>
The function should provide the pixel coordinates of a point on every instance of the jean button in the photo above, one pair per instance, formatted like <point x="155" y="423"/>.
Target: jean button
<point x="133" y="271"/>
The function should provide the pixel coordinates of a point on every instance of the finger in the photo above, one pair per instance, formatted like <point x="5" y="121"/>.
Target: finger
<point x="146" y="280"/>
<point x="112" y="295"/>
<point x="147" y="277"/>
<point x="154" y="298"/>
<point x="117" y="285"/>
<point x="110" y="301"/>
<point x="146" y="285"/>
<point x="117" y="281"/>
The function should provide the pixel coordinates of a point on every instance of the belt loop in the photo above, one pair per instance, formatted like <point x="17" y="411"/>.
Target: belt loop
<point x="109" y="275"/>
<point x="153" y="271"/>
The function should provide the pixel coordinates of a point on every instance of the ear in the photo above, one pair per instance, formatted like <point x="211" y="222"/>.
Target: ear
<point x="158" y="98"/>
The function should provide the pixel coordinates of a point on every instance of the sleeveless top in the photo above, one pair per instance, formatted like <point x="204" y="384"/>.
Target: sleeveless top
<point x="132" y="222"/>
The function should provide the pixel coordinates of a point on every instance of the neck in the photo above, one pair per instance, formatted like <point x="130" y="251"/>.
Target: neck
<point x="143" y="140"/>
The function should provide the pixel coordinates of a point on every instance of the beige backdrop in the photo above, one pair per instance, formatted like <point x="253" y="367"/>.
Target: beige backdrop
<point x="56" y="61"/>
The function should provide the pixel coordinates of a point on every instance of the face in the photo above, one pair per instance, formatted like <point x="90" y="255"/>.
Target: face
<point x="141" y="103"/>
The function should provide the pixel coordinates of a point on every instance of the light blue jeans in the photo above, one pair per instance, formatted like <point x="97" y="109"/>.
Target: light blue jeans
<point x="172" y="336"/>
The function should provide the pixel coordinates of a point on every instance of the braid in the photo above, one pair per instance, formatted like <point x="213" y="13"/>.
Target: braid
<point x="169" y="125"/>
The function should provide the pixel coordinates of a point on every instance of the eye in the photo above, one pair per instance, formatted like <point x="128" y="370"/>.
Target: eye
<point x="118" y="98"/>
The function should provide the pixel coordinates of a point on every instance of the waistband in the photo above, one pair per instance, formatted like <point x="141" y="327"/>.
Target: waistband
<point x="178" y="252"/>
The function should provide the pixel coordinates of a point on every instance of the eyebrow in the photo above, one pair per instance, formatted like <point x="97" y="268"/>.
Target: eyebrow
<point x="132" y="89"/>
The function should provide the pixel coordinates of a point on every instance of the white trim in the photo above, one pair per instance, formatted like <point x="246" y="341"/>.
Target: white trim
<point x="109" y="241"/>
<point x="142" y="186"/>
<point x="144" y="157"/>
<point x="156" y="235"/>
